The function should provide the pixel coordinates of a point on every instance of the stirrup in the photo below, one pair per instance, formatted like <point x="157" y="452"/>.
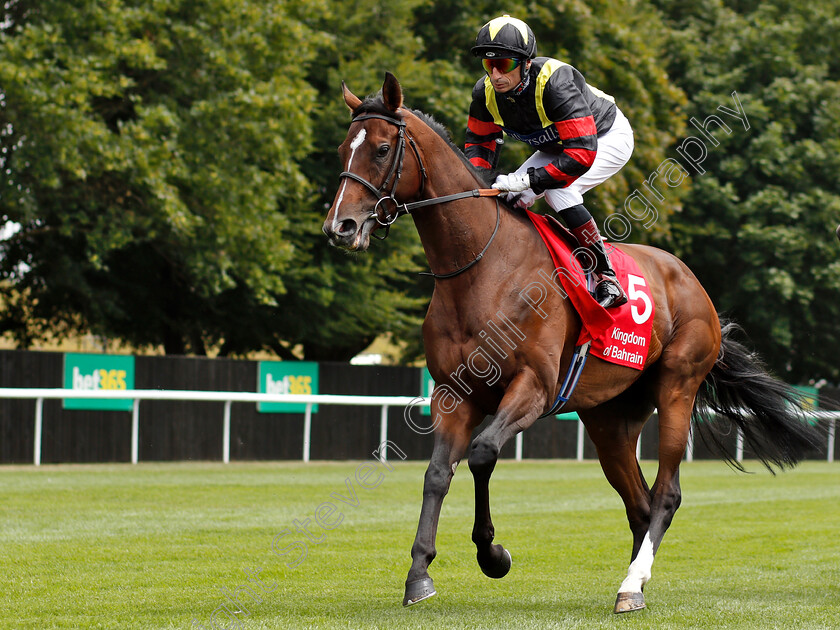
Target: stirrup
<point x="608" y="292"/>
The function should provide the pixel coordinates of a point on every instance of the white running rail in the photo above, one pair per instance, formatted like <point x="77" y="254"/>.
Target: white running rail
<point x="41" y="394"/>
<point x="384" y="402"/>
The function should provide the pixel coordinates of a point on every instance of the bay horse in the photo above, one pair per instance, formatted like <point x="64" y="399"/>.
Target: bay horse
<point x="482" y="254"/>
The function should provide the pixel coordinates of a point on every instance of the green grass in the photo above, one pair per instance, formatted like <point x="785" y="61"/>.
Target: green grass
<point x="150" y="546"/>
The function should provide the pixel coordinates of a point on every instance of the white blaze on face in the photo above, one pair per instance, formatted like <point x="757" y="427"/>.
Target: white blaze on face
<point x="357" y="142"/>
<point x="640" y="569"/>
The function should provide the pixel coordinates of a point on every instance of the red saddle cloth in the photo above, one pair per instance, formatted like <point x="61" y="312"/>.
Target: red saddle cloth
<point x="619" y="335"/>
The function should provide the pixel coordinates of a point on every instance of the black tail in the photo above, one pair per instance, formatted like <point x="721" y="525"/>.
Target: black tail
<point x="770" y="413"/>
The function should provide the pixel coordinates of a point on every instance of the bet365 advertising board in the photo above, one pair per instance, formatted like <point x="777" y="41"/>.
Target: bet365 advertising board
<point x="287" y="377"/>
<point x="96" y="372"/>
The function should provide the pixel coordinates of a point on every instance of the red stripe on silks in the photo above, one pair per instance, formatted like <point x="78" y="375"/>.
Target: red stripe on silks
<point x="482" y="128"/>
<point x="576" y="127"/>
<point x="584" y="156"/>
<point x="490" y="146"/>
<point x="480" y="162"/>
<point x="557" y="174"/>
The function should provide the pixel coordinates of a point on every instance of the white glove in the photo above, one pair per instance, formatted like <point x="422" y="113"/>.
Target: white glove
<point x="515" y="182"/>
<point x="523" y="200"/>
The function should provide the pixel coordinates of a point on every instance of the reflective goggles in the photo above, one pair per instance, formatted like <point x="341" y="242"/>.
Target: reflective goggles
<point x="502" y="65"/>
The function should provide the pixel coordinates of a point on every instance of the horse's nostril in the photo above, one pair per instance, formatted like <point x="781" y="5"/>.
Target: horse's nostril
<point x="346" y="227"/>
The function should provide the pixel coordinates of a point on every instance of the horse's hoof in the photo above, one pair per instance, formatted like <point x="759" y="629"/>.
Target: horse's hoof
<point x="497" y="563"/>
<point x="418" y="591"/>
<point x="628" y="602"/>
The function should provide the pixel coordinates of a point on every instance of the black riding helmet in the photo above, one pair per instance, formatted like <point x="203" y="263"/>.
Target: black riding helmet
<point x="505" y="37"/>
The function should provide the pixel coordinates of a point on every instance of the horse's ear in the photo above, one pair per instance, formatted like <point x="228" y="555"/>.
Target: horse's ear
<point x="351" y="99"/>
<point x="392" y="92"/>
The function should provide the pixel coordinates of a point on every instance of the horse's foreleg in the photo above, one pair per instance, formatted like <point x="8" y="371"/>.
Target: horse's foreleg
<point x="494" y="560"/>
<point x="451" y="441"/>
<point x="518" y="410"/>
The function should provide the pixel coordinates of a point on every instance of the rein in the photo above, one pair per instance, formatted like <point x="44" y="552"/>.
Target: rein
<point x="406" y="208"/>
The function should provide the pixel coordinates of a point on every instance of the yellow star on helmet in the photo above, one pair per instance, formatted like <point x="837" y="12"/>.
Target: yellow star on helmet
<point x="496" y="25"/>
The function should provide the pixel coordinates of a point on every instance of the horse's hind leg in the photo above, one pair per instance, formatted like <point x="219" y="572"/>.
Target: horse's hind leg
<point x="665" y="497"/>
<point x="682" y="368"/>
<point x="614" y="428"/>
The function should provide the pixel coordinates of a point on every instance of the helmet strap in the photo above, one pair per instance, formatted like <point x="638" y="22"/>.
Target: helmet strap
<point x="525" y="78"/>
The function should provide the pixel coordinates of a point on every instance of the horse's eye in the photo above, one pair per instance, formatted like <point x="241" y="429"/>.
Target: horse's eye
<point x="383" y="151"/>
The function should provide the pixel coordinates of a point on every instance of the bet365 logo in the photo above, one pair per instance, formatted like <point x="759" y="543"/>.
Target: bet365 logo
<point x="99" y="379"/>
<point x="288" y="385"/>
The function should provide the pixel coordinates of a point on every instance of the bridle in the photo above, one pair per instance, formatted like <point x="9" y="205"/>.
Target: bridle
<point x="406" y="208"/>
<point x="395" y="172"/>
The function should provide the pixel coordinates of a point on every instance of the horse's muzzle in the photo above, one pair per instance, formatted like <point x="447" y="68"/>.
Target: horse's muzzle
<point x="348" y="234"/>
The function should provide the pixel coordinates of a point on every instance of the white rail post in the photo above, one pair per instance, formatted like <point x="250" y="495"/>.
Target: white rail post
<point x="39" y="422"/>
<point x="226" y="433"/>
<point x="135" y="431"/>
<point x="831" y="429"/>
<point x="739" y="446"/>
<point x="519" y="446"/>
<point x="580" y="441"/>
<point x="307" y="431"/>
<point x="689" y="447"/>
<point x="383" y="432"/>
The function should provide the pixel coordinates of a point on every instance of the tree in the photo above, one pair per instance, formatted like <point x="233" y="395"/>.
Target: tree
<point x="170" y="163"/>
<point x="758" y="227"/>
<point x="146" y="149"/>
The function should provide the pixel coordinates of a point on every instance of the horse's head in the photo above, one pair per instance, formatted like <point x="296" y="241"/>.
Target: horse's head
<point x="373" y="155"/>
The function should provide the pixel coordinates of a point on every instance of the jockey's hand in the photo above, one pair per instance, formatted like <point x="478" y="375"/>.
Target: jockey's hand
<point x="514" y="182"/>
<point x="523" y="200"/>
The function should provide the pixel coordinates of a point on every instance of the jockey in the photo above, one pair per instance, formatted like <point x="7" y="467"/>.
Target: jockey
<point x="580" y="136"/>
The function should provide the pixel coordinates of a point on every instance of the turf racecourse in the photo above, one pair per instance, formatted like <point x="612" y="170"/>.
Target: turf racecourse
<point x="153" y="545"/>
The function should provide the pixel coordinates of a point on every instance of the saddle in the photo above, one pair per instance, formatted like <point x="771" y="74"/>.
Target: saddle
<point x="620" y="335"/>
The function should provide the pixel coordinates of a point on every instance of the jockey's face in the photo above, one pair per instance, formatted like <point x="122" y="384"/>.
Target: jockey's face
<point x="505" y="82"/>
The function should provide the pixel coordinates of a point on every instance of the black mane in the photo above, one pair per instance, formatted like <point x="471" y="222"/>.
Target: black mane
<point x="375" y="105"/>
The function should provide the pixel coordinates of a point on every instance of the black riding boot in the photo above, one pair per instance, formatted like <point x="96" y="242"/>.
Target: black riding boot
<point x="608" y="292"/>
